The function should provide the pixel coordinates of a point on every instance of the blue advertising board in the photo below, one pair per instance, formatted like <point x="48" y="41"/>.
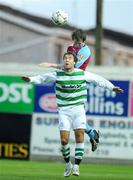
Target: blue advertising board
<point x="103" y="102"/>
<point x="45" y="99"/>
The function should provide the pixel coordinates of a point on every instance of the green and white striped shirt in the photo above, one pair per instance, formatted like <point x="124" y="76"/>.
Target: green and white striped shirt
<point x="71" y="88"/>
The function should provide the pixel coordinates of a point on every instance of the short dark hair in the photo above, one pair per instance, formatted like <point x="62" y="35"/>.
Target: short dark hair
<point x="72" y="53"/>
<point x="79" y="34"/>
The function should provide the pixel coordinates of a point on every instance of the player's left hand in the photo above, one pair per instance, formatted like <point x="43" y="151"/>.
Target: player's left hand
<point x="118" y="89"/>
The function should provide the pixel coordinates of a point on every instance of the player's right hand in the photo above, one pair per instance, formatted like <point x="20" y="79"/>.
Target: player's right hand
<point x="27" y="79"/>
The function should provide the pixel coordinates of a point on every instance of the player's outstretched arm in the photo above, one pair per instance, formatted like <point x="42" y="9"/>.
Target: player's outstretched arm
<point x="42" y="78"/>
<point x="50" y="65"/>
<point x="118" y="89"/>
<point x="102" y="82"/>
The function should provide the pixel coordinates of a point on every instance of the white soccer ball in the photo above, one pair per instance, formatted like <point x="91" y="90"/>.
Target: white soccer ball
<point x="59" y="17"/>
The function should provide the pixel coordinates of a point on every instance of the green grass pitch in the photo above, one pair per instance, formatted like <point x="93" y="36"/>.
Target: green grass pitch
<point x="34" y="170"/>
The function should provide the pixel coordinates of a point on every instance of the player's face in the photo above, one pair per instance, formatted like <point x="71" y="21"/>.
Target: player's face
<point x="69" y="62"/>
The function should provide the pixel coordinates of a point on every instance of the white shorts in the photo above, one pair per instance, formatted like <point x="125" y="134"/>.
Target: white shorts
<point x="72" y="118"/>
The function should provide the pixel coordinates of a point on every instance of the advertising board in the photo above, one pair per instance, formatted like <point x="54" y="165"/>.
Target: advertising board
<point x="116" y="137"/>
<point x="16" y="96"/>
<point x="14" y="136"/>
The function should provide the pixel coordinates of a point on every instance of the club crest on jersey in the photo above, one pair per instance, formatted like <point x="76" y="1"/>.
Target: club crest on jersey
<point x="80" y="56"/>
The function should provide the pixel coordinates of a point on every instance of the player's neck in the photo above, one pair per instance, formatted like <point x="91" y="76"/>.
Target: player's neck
<point x="79" y="45"/>
<point x="69" y="69"/>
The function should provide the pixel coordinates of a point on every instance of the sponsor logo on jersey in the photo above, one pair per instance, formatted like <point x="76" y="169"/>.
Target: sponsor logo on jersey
<point x="71" y="86"/>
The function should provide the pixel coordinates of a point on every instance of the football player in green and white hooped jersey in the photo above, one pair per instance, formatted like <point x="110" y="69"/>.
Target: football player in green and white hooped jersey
<point x="71" y="94"/>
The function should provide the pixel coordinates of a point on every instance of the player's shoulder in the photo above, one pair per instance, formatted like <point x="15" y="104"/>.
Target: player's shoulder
<point x="86" y="47"/>
<point x="85" y="50"/>
<point x="78" y="70"/>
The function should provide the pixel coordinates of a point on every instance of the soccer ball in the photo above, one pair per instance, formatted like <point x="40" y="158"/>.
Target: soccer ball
<point x="59" y="17"/>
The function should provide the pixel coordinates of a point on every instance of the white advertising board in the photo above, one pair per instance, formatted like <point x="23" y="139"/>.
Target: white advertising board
<point x="116" y="139"/>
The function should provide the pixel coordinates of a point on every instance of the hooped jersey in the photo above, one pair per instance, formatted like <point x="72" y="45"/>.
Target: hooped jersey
<point x="71" y="89"/>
